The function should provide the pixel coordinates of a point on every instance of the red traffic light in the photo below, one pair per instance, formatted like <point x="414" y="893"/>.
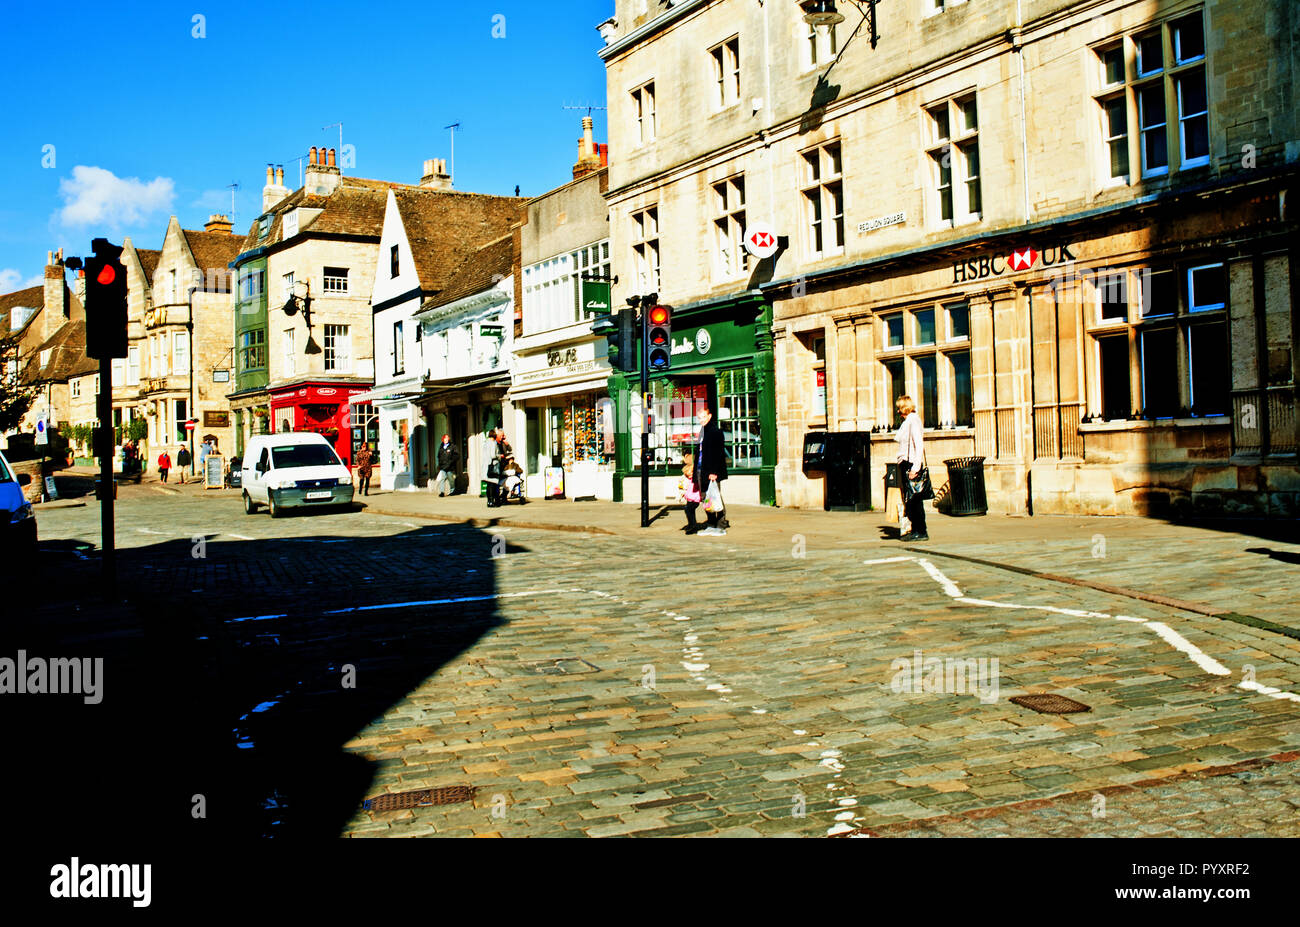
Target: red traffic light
<point x="659" y="315"/>
<point x="106" y="275"/>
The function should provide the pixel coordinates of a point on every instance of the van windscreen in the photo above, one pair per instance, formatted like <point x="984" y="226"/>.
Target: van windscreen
<point x="291" y="456"/>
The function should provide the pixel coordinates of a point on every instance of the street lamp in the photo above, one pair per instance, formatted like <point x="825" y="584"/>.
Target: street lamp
<point x="291" y="307"/>
<point x="821" y="13"/>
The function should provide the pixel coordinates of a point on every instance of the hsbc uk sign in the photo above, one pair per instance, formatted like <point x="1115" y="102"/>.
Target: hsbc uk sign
<point x="1018" y="261"/>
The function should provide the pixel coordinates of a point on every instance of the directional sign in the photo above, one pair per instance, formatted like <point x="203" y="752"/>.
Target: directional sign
<point x="760" y="240"/>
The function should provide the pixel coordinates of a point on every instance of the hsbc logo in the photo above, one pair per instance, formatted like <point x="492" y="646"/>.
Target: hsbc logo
<point x="1018" y="261"/>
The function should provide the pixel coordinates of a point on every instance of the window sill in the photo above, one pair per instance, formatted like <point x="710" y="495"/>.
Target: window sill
<point x="729" y="108"/>
<point x="1147" y="425"/>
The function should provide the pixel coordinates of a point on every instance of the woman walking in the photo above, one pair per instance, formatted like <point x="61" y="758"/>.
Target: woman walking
<point x="710" y="471"/>
<point x="164" y="464"/>
<point x="365" y="463"/>
<point x="911" y="458"/>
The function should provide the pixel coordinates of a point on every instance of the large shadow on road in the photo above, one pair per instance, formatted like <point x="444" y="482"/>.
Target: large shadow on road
<point x="233" y="680"/>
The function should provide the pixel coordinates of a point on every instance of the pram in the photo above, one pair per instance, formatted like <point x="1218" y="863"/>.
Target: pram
<point x="515" y="493"/>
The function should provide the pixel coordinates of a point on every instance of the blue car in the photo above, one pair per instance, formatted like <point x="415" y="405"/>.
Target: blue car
<point x="17" y="520"/>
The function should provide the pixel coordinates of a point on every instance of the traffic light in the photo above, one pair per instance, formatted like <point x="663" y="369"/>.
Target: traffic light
<point x="105" y="302"/>
<point x="659" y="338"/>
<point x="618" y="329"/>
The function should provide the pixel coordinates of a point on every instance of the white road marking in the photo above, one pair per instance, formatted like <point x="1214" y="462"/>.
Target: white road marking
<point x="1270" y="691"/>
<point x="888" y="560"/>
<point x="948" y="585"/>
<point x="241" y="537"/>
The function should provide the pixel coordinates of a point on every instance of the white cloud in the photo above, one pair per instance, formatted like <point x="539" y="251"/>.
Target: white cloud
<point x="12" y="280"/>
<point x="94" y="195"/>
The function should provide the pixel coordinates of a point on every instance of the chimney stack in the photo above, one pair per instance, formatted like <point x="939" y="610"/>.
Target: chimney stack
<point x="322" y="176"/>
<point x="435" y="175"/>
<point x="272" y="194"/>
<point x="591" y="157"/>
<point x="55" y="311"/>
<point x="219" y="223"/>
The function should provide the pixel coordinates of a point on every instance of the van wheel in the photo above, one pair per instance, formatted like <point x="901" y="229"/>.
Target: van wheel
<point x="250" y="507"/>
<point x="275" y="510"/>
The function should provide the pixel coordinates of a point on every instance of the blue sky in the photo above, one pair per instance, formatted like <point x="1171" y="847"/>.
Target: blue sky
<point x="146" y="120"/>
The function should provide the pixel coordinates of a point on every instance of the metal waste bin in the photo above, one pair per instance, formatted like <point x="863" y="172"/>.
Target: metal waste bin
<point x="966" y="486"/>
<point x="845" y="458"/>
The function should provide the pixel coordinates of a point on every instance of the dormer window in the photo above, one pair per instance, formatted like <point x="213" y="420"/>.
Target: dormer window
<point x="263" y="227"/>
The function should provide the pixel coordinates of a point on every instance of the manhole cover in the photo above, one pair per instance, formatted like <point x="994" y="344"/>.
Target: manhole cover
<point x="564" y="666"/>
<point x="1050" y="704"/>
<point x="420" y="798"/>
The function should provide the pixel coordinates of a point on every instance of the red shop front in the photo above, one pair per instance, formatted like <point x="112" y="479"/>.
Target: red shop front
<point x="320" y="408"/>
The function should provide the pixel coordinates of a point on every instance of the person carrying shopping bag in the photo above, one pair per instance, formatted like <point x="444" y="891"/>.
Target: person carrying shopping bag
<point x="913" y="475"/>
<point x="690" y="495"/>
<point x="710" y="472"/>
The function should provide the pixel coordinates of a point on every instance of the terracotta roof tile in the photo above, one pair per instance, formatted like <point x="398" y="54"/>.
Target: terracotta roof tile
<point x="481" y="269"/>
<point x="149" y="261"/>
<point x="212" y="252"/>
<point x="445" y="227"/>
<point x="31" y="298"/>
<point x="68" y="358"/>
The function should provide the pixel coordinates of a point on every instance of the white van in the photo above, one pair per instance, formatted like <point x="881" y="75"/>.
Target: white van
<point x="292" y="470"/>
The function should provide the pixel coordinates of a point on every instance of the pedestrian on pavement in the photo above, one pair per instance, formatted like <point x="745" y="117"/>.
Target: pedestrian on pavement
<point x="496" y="450"/>
<point x="448" y="465"/>
<point x="911" y="458"/>
<point x="183" y="461"/>
<point x="164" y="464"/>
<point x="365" y="462"/>
<point x="711" y="470"/>
<point x="205" y="450"/>
<point x="690" y="495"/>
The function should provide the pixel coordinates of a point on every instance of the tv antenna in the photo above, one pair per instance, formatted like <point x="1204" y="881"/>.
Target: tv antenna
<point x="454" y="126"/>
<point x="232" y="187"/>
<point x="339" y="126"/>
<point x="587" y="107"/>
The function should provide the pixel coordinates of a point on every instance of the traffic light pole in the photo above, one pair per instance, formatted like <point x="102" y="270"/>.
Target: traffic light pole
<point x="104" y="440"/>
<point x="645" y="416"/>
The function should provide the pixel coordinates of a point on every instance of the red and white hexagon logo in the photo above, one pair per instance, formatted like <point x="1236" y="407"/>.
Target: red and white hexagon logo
<point x="1023" y="259"/>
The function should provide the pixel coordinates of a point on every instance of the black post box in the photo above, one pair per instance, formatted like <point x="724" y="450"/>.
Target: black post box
<point x="845" y="458"/>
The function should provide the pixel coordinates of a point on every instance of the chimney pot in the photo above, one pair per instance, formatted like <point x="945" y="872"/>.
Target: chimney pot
<point x="270" y="176"/>
<point x="311" y="158"/>
<point x="331" y="164"/>
<point x="279" y="175"/>
<point x="49" y="258"/>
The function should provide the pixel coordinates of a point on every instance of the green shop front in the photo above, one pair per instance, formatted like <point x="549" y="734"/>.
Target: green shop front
<point x="721" y="357"/>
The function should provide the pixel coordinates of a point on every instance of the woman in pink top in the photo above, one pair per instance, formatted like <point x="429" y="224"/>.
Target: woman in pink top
<point x="911" y="457"/>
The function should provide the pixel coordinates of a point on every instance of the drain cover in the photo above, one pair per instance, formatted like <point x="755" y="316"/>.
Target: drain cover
<point x="564" y="666"/>
<point x="420" y="798"/>
<point x="1050" y="704"/>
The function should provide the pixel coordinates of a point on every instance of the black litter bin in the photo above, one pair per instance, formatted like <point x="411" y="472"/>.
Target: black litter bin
<point x="966" y="486"/>
<point x="845" y="458"/>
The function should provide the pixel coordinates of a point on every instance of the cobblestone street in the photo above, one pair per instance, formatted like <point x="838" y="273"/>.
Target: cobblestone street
<point x="604" y="684"/>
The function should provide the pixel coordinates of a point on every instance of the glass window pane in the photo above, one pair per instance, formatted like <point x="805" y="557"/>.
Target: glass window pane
<point x="1159" y="293"/>
<point x="1207" y="288"/>
<point x="1115" y="393"/>
<point x="897" y="387"/>
<point x="1113" y="65"/>
<point x="940" y="117"/>
<point x="1112" y="295"/>
<point x="924" y="326"/>
<point x="969" y="117"/>
<point x="1189" y="40"/>
<point x="893" y="330"/>
<point x="1150" y="53"/>
<point x="1160" y="373"/>
<point x="958" y="322"/>
<point x="929" y="391"/>
<point x="962" y="396"/>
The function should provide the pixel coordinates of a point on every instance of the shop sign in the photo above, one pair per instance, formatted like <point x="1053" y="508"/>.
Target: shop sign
<point x="761" y="240"/>
<point x="216" y="419"/>
<point x="819" y="396"/>
<point x="718" y="340"/>
<point x="560" y="358"/>
<point x="880" y="222"/>
<point x="1019" y="260"/>
<point x="700" y="344"/>
<point x="595" y="296"/>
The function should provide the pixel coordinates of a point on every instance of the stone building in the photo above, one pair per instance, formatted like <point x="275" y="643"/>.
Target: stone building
<point x="310" y="255"/>
<point x="429" y="232"/>
<point x="1064" y="230"/>
<point x="563" y="414"/>
<point x="185" y="347"/>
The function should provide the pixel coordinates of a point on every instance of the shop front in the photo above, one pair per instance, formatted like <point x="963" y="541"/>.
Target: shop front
<point x="721" y="357"/>
<point x="389" y="418"/>
<point x="1111" y="366"/>
<point x="566" y="420"/>
<point x="466" y="409"/>
<point x="320" y="408"/>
